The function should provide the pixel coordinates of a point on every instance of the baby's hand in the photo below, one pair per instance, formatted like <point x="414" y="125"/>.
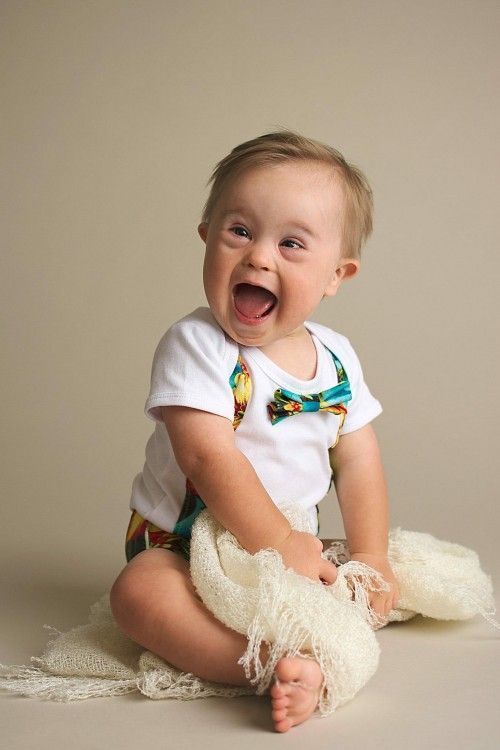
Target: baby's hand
<point x="302" y="552"/>
<point x="381" y="602"/>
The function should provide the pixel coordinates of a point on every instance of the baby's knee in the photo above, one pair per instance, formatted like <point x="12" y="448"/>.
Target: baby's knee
<point x="125" y="598"/>
<point x="129" y="593"/>
<point x="146" y="581"/>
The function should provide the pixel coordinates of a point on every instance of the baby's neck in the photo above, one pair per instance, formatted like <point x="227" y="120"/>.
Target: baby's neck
<point x="295" y="354"/>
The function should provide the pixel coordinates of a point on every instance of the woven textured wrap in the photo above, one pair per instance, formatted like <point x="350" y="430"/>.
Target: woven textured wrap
<point x="437" y="579"/>
<point x="97" y="660"/>
<point x="256" y="596"/>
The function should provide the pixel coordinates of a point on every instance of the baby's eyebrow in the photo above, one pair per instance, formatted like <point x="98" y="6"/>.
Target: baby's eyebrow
<point x="229" y="212"/>
<point x="302" y="228"/>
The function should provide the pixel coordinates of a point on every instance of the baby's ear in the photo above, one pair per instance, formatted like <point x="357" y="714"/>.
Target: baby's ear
<point x="347" y="268"/>
<point x="203" y="230"/>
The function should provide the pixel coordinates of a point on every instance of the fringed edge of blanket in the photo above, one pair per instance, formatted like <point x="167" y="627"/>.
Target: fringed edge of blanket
<point x="157" y="684"/>
<point x="33" y="682"/>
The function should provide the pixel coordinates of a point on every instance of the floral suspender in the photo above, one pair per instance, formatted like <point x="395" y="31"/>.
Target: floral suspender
<point x="241" y="385"/>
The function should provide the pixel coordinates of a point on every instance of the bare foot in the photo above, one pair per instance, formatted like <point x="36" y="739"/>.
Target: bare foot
<point x="295" y="694"/>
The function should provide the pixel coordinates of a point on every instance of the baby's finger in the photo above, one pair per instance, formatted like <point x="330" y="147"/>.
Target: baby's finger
<point x="327" y="572"/>
<point x="379" y="603"/>
<point x="385" y="604"/>
<point x="380" y="609"/>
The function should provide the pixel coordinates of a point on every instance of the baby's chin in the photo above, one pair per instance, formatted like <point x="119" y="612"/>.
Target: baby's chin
<point x="254" y="336"/>
<point x="259" y="336"/>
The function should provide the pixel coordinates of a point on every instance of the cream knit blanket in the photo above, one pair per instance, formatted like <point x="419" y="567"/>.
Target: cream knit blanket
<point x="258" y="597"/>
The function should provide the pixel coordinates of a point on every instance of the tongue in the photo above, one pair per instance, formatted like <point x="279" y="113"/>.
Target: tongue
<point x="253" y="301"/>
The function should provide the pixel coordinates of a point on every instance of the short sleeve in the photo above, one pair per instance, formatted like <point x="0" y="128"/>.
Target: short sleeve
<point x="363" y="407"/>
<point x="191" y="367"/>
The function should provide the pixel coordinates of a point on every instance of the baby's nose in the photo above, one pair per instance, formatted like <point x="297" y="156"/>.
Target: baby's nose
<point x="260" y="256"/>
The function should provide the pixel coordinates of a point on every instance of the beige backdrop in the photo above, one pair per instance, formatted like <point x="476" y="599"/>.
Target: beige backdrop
<point x="113" y="115"/>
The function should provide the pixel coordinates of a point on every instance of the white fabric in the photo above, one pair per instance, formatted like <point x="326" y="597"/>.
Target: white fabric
<point x="258" y="597"/>
<point x="192" y="366"/>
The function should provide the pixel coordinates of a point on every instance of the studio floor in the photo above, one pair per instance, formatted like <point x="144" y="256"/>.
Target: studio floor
<point x="437" y="687"/>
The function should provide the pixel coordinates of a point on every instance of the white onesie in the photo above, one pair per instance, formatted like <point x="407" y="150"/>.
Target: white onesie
<point x="192" y="367"/>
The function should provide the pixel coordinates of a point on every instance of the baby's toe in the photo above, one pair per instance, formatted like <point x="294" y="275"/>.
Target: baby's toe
<point x="279" y="714"/>
<point x="283" y="702"/>
<point x="280" y="690"/>
<point x="282" y="725"/>
<point x="289" y="669"/>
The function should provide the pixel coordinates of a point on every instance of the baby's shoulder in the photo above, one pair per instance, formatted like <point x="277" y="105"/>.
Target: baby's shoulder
<point x="200" y="319"/>
<point x="333" y="340"/>
<point x="198" y="331"/>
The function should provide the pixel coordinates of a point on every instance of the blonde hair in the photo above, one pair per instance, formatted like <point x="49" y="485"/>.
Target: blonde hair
<point x="286" y="145"/>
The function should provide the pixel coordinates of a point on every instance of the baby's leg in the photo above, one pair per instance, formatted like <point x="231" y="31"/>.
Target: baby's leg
<point x="154" y="602"/>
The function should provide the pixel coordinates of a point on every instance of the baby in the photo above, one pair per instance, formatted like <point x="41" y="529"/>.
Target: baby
<point x="256" y="407"/>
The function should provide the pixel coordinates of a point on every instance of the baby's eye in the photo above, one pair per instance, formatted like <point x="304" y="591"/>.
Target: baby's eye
<point x="240" y="231"/>
<point x="292" y="244"/>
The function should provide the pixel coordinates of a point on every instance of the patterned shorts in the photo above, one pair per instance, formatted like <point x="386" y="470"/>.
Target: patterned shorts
<point x="142" y="534"/>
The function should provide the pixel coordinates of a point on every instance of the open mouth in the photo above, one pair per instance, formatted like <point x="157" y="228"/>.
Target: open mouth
<point x="253" y="302"/>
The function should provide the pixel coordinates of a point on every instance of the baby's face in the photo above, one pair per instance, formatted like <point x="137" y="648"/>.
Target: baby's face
<point x="273" y="249"/>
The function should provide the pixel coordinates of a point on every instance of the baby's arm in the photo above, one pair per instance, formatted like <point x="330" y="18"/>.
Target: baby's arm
<point x="362" y="494"/>
<point x="206" y="452"/>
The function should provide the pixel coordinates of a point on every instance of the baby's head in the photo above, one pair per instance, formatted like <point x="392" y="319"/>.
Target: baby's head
<point x="284" y="224"/>
<point x="288" y="147"/>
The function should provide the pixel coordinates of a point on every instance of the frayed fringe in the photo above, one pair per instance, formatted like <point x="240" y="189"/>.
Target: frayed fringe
<point x="362" y="580"/>
<point x="157" y="684"/>
<point x="477" y="602"/>
<point x="33" y="682"/>
<point x="160" y="684"/>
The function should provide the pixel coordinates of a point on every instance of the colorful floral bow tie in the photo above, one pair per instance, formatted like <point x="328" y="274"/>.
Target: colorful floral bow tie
<point x="287" y="403"/>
